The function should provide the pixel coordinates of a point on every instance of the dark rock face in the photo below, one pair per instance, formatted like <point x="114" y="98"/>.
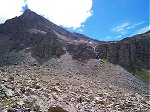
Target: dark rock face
<point x="81" y="52"/>
<point x="142" y="53"/>
<point x="48" y="47"/>
<point x="130" y="52"/>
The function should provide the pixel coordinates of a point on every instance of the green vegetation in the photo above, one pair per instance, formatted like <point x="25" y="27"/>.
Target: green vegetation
<point x="106" y="62"/>
<point x="144" y="74"/>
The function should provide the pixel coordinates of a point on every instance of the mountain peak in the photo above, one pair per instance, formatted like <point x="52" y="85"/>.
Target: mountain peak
<point x="28" y="12"/>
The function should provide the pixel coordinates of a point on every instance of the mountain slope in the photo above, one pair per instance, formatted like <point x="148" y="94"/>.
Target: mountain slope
<point x="42" y="36"/>
<point x="30" y="38"/>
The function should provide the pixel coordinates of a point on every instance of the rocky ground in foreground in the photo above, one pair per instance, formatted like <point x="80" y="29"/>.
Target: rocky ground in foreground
<point x="39" y="89"/>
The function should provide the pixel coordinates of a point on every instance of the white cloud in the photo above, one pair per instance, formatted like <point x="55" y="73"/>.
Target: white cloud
<point x="10" y="9"/>
<point x="143" y="30"/>
<point x="67" y="13"/>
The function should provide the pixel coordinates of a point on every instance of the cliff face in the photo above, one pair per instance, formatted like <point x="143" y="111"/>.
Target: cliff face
<point x="129" y="52"/>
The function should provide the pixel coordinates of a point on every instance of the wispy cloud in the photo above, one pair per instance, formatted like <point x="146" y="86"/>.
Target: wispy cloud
<point x="108" y="37"/>
<point x="122" y="29"/>
<point x="143" y="30"/>
<point x="134" y="25"/>
<point x="80" y="30"/>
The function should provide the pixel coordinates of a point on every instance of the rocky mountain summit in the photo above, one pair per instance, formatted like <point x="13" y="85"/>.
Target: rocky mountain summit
<point x="45" y="68"/>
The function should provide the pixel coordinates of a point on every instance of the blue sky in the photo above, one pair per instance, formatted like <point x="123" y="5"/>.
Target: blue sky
<point x="106" y="20"/>
<point x="116" y="19"/>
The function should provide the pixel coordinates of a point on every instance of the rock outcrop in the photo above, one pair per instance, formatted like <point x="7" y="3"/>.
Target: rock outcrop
<point x="129" y="52"/>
